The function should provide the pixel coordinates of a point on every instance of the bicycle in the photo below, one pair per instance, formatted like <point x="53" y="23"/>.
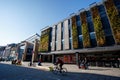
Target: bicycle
<point x="56" y="70"/>
<point x="83" y="66"/>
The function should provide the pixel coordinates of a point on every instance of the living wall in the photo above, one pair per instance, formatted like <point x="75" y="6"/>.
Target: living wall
<point x="85" y="32"/>
<point x="44" y="41"/>
<point x="74" y="33"/>
<point x="100" y="36"/>
<point x="114" y="18"/>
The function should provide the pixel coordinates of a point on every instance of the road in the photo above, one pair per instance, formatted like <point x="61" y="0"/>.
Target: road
<point x="13" y="72"/>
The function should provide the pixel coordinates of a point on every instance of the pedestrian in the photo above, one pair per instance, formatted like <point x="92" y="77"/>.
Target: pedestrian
<point x="39" y="62"/>
<point x="86" y="63"/>
<point x="83" y="64"/>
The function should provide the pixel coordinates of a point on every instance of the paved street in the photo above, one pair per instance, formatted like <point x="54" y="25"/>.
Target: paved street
<point x="12" y="72"/>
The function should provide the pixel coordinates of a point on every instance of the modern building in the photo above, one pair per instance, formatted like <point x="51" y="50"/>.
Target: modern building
<point x="2" y="49"/>
<point x="93" y="33"/>
<point x="10" y="52"/>
<point x="27" y="47"/>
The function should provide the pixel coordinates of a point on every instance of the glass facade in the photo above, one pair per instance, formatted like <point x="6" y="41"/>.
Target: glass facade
<point x="93" y="33"/>
<point x="80" y="41"/>
<point x="117" y="4"/>
<point x="69" y="33"/>
<point x="93" y="39"/>
<point x="55" y="37"/>
<point x="81" y="28"/>
<point x="106" y="26"/>
<point x="113" y="12"/>
<point x="62" y="36"/>
<point x="62" y="31"/>
<point x="89" y="20"/>
<point x="62" y="44"/>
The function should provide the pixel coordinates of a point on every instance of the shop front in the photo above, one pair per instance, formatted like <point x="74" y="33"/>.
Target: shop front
<point x="101" y="56"/>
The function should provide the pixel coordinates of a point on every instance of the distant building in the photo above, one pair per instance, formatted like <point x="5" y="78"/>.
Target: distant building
<point x="27" y="47"/>
<point x="2" y="48"/>
<point x="93" y="33"/>
<point x="10" y="52"/>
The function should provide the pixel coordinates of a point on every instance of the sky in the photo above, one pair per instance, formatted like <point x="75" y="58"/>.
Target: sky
<point x="20" y="19"/>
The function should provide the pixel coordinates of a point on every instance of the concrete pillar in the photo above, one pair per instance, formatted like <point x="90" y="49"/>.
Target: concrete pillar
<point x="53" y="58"/>
<point x="66" y="35"/>
<point x="25" y="51"/>
<point x="32" y="57"/>
<point x="35" y="50"/>
<point x="53" y="39"/>
<point x="77" y="58"/>
<point x="33" y="53"/>
<point x="59" y="37"/>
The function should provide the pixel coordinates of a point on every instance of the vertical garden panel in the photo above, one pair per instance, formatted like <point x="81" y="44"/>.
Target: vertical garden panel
<point x="74" y="33"/>
<point x="85" y="32"/>
<point x="100" y="36"/>
<point x="114" y="18"/>
<point x="44" y="40"/>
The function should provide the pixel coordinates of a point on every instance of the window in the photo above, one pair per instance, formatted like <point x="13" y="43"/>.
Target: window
<point x="51" y="44"/>
<point x="106" y="25"/>
<point x="29" y="50"/>
<point x="69" y="30"/>
<point x="88" y="13"/>
<point x="56" y="33"/>
<point x="78" y="23"/>
<point x="101" y="8"/>
<point x="109" y="40"/>
<point x="62" y="31"/>
<point x="55" y="45"/>
<point x="117" y="3"/>
<point x="68" y="21"/>
<point x="92" y="35"/>
<point x="80" y="41"/>
<point x="90" y="27"/>
<point x="89" y="21"/>
<point x="79" y="27"/>
<point x="80" y="37"/>
<point x="70" y="43"/>
<point x="93" y="39"/>
<point x="77" y="18"/>
<point x="62" y="44"/>
<point x="79" y="30"/>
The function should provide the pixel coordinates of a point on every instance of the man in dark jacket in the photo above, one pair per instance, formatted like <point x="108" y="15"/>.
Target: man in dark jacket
<point x="60" y="63"/>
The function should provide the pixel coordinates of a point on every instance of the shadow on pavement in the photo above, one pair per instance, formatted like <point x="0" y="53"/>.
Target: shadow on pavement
<point x="12" y="72"/>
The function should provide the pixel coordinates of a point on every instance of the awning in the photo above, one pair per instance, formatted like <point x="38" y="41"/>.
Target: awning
<point x="85" y="50"/>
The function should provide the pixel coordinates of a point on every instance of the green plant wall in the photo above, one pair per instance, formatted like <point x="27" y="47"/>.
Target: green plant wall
<point x="44" y="41"/>
<point x="74" y="33"/>
<point x="114" y="19"/>
<point x="100" y="36"/>
<point x="85" y="32"/>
